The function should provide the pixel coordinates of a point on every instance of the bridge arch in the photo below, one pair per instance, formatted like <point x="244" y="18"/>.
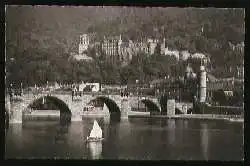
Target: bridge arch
<point x="151" y="105"/>
<point x="178" y="111"/>
<point x="65" y="112"/>
<point x="113" y="107"/>
<point x="190" y="111"/>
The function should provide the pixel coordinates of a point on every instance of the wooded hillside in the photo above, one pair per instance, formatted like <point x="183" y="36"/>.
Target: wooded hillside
<point x="40" y="38"/>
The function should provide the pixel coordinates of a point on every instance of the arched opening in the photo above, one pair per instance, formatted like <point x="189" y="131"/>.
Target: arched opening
<point x="190" y="111"/>
<point x="152" y="107"/>
<point x="163" y="103"/>
<point x="114" y="110"/>
<point x="51" y="103"/>
<point x="178" y="111"/>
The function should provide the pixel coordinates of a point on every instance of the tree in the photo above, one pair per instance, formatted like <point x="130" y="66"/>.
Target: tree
<point x="220" y="97"/>
<point x="34" y="39"/>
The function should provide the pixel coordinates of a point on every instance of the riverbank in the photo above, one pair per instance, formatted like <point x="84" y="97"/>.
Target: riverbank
<point x="52" y="114"/>
<point x="195" y="116"/>
<point x="40" y="117"/>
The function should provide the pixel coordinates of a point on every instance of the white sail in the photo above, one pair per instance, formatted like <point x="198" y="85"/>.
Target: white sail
<point x="96" y="131"/>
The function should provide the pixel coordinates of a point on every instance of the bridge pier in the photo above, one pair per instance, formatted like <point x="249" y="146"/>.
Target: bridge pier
<point x="171" y="107"/>
<point x="124" y="119"/>
<point x="75" y="107"/>
<point x="17" y="139"/>
<point x="8" y="106"/>
<point x="76" y="118"/>
<point x="15" y="115"/>
<point x="125" y="108"/>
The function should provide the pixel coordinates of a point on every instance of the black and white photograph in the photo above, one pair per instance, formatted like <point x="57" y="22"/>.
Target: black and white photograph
<point x="124" y="83"/>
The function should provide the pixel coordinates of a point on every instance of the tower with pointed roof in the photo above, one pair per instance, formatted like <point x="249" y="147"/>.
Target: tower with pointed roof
<point x="119" y="46"/>
<point x="202" y="84"/>
<point x="188" y="71"/>
<point x="84" y="43"/>
<point x="163" y="45"/>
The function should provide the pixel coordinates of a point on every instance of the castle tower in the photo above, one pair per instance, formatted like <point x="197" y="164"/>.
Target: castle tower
<point x="119" y="45"/>
<point x="163" y="45"/>
<point x="152" y="43"/>
<point x="84" y="43"/>
<point x="188" y="71"/>
<point x="203" y="86"/>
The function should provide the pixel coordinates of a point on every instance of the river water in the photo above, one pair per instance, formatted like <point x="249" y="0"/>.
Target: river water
<point x="136" y="139"/>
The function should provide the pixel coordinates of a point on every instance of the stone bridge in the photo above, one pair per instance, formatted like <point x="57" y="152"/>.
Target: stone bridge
<point x="115" y="103"/>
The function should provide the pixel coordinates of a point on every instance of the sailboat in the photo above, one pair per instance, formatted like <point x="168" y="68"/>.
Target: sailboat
<point x="95" y="134"/>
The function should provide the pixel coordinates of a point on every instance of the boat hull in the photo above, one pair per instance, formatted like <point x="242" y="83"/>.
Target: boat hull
<point x="89" y="139"/>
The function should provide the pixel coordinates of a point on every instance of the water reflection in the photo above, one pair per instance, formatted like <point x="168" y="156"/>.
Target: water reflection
<point x="61" y="133"/>
<point x="106" y="119"/>
<point x="115" y="118"/>
<point x="65" y="119"/>
<point x="205" y="140"/>
<point x="163" y="123"/>
<point x="126" y="128"/>
<point x="111" y="132"/>
<point x="185" y="124"/>
<point x="77" y="134"/>
<point x="16" y="131"/>
<point x="6" y="120"/>
<point x="179" y="129"/>
<point x="95" y="149"/>
<point x="137" y="139"/>
<point x="171" y="133"/>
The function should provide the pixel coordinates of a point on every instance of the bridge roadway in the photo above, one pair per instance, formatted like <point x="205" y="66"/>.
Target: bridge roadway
<point x="115" y="103"/>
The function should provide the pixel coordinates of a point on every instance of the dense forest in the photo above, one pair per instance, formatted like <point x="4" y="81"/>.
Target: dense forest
<point x="39" y="40"/>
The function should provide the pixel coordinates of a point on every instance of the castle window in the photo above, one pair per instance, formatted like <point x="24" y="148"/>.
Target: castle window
<point x="80" y="40"/>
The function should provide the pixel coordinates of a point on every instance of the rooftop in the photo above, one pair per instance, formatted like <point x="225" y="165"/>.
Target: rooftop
<point x="223" y="86"/>
<point x="211" y="77"/>
<point x="112" y="37"/>
<point x="159" y="81"/>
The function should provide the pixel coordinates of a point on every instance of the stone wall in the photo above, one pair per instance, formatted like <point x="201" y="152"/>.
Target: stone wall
<point x="171" y="107"/>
